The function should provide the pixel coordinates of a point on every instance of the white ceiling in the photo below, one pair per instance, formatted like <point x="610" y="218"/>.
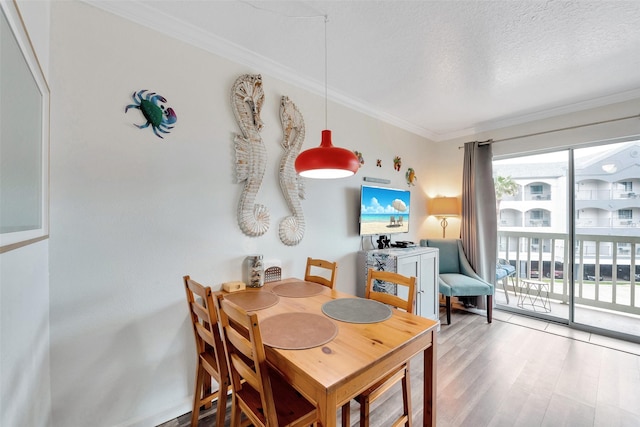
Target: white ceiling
<point x="441" y="69"/>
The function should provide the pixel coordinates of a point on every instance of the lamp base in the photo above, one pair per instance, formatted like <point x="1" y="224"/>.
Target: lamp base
<point x="444" y="224"/>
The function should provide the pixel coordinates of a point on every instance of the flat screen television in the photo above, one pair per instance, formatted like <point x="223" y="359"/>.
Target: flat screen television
<point x="384" y="210"/>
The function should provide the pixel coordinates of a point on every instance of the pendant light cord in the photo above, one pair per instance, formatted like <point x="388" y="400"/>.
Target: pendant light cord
<point x="326" y="18"/>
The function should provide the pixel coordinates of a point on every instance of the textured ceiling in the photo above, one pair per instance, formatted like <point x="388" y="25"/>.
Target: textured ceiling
<point x="441" y="69"/>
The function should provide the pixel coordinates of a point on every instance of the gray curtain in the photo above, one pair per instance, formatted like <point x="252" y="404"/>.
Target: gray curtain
<point x="478" y="228"/>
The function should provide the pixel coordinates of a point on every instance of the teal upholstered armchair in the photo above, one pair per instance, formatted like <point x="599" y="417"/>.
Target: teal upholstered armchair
<point x="457" y="278"/>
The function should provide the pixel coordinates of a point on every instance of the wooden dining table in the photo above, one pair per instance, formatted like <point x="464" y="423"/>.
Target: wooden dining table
<point x="359" y="354"/>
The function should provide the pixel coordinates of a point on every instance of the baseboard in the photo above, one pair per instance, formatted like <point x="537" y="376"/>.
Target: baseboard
<point x="160" y="417"/>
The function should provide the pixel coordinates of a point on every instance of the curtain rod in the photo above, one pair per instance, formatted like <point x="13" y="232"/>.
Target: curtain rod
<point x="491" y="141"/>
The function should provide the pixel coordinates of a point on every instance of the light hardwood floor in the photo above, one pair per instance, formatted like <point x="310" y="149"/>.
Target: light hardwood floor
<point x="517" y="371"/>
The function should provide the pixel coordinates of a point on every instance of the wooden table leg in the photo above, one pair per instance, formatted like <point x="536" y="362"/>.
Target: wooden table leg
<point x="429" y="410"/>
<point x="328" y="407"/>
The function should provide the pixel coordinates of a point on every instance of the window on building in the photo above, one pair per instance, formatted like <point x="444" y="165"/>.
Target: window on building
<point x="624" y="248"/>
<point x="625" y="214"/>
<point x="536" y="189"/>
<point x="625" y="185"/>
<point x="535" y="244"/>
<point x="536" y="214"/>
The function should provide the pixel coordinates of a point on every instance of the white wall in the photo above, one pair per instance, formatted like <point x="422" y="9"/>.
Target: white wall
<point x="25" y="398"/>
<point x="24" y="317"/>
<point x="131" y="213"/>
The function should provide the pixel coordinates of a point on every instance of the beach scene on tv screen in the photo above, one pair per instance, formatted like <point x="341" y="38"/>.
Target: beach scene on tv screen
<point x="384" y="211"/>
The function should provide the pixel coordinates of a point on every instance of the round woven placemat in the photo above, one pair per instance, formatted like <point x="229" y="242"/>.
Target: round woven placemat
<point x="356" y="310"/>
<point x="297" y="331"/>
<point x="298" y="289"/>
<point x="253" y="300"/>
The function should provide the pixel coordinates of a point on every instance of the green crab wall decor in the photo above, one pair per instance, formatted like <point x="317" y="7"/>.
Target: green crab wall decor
<point x="151" y="105"/>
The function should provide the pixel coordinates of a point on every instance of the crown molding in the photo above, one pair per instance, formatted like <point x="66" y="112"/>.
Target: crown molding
<point x="541" y="115"/>
<point x="166" y="24"/>
<point x="151" y="18"/>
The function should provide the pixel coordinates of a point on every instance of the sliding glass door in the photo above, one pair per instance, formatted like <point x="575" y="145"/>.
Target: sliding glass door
<point x="533" y="234"/>
<point x="607" y="224"/>
<point x="569" y="222"/>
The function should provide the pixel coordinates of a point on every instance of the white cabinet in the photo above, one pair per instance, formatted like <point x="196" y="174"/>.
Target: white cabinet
<point x="421" y="262"/>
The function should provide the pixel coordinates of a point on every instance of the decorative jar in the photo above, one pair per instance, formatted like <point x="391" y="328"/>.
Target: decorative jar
<point x="255" y="271"/>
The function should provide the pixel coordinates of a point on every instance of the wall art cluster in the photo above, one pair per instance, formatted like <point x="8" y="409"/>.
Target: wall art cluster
<point x="247" y="98"/>
<point x="410" y="175"/>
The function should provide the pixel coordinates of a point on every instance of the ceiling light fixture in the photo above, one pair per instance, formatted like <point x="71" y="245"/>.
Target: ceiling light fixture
<point x="326" y="161"/>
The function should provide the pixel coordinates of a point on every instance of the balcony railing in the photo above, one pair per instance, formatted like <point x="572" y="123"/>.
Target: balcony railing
<point x="605" y="274"/>
<point x="537" y="196"/>
<point x="605" y="222"/>
<point x="610" y="194"/>
<point x="538" y="223"/>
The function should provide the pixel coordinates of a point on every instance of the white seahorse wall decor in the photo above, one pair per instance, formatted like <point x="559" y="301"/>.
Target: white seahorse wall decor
<point x="247" y="96"/>
<point x="292" y="227"/>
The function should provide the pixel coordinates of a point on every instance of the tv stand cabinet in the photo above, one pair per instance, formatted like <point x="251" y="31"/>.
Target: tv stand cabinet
<point x="421" y="262"/>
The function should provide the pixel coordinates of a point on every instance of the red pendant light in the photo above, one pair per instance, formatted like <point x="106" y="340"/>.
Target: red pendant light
<point x="326" y="161"/>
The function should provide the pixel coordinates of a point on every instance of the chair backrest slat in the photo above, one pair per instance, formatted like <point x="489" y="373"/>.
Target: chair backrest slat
<point x="205" y="334"/>
<point x="313" y="266"/>
<point x="200" y="311"/>
<point x="386" y="298"/>
<point x="245" y="372"/>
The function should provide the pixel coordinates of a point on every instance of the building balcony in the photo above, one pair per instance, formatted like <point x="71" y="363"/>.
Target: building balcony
<point x="538" y="223"/>
<point x="538" y="196"/>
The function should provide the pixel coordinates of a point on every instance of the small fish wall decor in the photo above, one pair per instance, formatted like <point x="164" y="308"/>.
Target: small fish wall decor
<point x="152" y="107"/>
<point x="379" y="163"/>
<point x="360" y="157"/>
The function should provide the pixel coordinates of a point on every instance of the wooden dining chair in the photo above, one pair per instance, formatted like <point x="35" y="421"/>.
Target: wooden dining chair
<point x="401" y="374"/>
<point x="212" y="364"/>
<point x="311" y="273"/>
<point x="259" y="391"/>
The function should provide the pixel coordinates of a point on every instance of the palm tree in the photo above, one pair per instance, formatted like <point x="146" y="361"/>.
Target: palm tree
<point x="505" y="186"/>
